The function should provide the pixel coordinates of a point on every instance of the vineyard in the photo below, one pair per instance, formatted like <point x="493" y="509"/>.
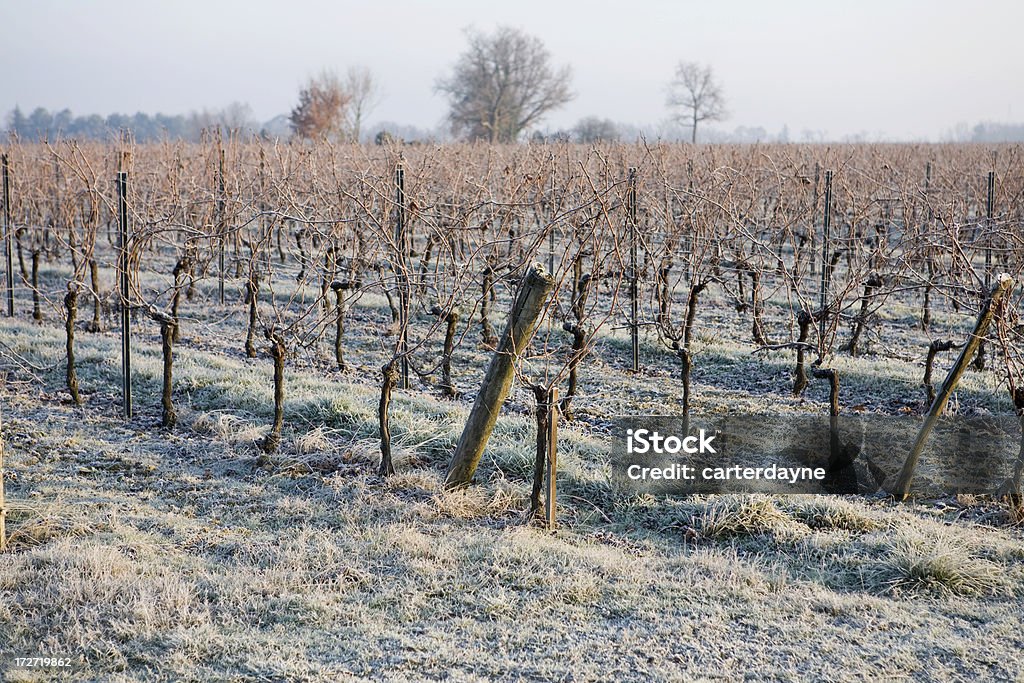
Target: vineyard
<point x="279" y="368"/>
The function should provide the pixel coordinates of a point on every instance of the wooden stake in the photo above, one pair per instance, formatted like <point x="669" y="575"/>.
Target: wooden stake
<point x="3" y="503"/>
<point x="552" y="460"/>
<point x="1004" y="283"/>
<point x="522" y="323"/>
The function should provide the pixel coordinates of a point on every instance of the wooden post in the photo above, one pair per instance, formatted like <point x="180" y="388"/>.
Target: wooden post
<point x="126" y="320"/>
<point x="634" y="274"/>
<point x="522" y="323"/>
<point x="8" y="246"/>
<point x="552" y="460"/>
<point x="3" y="502"/>
<point x="1004" y="283"/>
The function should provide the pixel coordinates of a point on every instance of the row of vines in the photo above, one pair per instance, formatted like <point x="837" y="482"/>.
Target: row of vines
<point x="626" y="238"/>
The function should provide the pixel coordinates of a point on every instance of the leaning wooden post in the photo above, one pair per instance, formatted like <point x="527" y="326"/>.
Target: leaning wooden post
<point x="522" y="323"/>
<point x="552" y="460"/>
<point x="1004" y="283"/>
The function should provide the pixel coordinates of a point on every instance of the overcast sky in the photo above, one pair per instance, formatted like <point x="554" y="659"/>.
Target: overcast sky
<point x="893" y="68"/>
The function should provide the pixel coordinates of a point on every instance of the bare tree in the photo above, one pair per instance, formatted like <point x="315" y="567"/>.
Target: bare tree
<point x="234" y="117"/>
<point x="321" y="112"/>
<point x="593" y="129"/>
<point x="237" y="115"/>
<point x="696" y="95"/>
<point x="503" y="84"/>
<point x="364" y="94"/>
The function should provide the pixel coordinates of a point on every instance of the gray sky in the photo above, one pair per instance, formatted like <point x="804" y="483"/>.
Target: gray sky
<point x="906" y="70"/>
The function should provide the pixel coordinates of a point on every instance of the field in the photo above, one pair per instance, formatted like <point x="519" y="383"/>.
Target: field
<point x="204" y="549"/>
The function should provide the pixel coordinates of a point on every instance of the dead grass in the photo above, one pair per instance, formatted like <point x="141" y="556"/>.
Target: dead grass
<point x="227" y="427"/>
<point x="938" y="565"/>
<point x="499" y="501"/>
<point x="835" y="514"/>
<point x="39" y="530"/>
<point x="169" y="557"/>
<point x="734" y="516"/>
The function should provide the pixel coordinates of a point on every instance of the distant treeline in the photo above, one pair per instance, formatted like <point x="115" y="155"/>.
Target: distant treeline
<point x="41" y="124"/>
<point x="996" y="132"/>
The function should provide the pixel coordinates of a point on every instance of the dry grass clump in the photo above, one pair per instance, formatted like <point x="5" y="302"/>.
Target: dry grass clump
<point x="415" y="481"/>
<point x="1016" y="512"/>
<point x="107" y="600"/>
<point x="936" y="564"/>
<point x="43" y="529"/>
<point x="478" y="502"/>
<point x="741" y="516"/>
<point x="312" y="441"/>
<point x="835" y="514"/>
<point x="227" y="427"/>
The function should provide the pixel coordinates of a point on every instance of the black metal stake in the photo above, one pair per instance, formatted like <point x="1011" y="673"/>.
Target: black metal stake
<point x="403" y="276"/>
<point x="989" y="207"/>
<point x="551" y="206"/>
<point x="8" y="247"/>
<point x="126" y="319"/>
<point x="826" y="271"/>
<point x="814" y="213"/>
<point x="928" y="188"/>
<point x="634" y="290"/>
<point x="220" y="222"/>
